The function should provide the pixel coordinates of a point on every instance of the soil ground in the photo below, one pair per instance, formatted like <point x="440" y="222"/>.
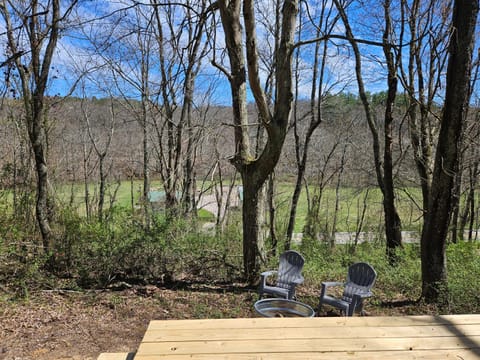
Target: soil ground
<point x="81" y="325"/>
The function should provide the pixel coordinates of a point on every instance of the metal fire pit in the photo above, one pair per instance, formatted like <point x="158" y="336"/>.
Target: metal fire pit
<point x="283" y="308"/>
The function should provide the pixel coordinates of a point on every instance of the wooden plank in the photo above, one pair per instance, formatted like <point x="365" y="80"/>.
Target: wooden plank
<point x="367" y="355"/>
<point x="308" y="345"/>
<point x="116" y="356"/>
<point x="315" y="322"/>
<point x="372" y="338"/>
<point x="310" y="333"/>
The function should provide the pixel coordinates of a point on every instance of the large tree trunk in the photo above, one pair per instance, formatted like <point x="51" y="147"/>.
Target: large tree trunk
<point x="393" y="224"/>
<point x="255" y="170"/>
<point x="433" y="242"/>
<point x="253" y="244"/>
<point x="254" y="176"/>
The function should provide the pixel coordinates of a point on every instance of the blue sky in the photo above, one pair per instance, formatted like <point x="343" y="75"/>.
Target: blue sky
<point x="75" y="54"/>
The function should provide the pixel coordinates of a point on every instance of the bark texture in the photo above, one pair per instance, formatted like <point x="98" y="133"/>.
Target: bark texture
<point x="256" y="169"/>
<point x="435" y="231"/>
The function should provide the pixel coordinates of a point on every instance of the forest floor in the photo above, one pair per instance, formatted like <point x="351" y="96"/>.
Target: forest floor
<point x="81" y="325"/>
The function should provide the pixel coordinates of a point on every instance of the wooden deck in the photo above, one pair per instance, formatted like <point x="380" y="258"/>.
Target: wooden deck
<point x="403" y="337"/>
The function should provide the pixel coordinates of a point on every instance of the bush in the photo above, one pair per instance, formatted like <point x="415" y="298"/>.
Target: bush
<point x="89" y="253"/>
<point x="463" y="265"/>
<point x="123" y="249"/>
<point x="21" y="258"/>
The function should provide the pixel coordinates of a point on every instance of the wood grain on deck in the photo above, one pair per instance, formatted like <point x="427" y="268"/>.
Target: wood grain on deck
<point x="400" y="337"/>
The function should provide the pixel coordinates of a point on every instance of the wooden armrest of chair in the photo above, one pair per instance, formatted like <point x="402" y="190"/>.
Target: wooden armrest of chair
<point x="268" y="273"/>
<point x="327" y="284"/>
<point x="298" y="280"/>
<point x="264" y="275"/>
<point x="365" y="295"/>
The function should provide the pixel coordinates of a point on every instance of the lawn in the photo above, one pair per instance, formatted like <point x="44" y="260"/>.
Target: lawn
<point x="351" y="203"/>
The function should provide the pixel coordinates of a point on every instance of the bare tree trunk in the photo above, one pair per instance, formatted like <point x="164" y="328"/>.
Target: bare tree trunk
<point x="393" y="224"/>
<point x="196" y="54"/>
<point x="102" y="186"/>
<point x="468" y="214"/>
<point x="40" y="26"/>
<point x="468" y="163"/>
<point x="101" y="152"/>
<point x="132" y="193"/>
<point x="456" y="194"/>
<point x="145" y="148"/>
<point x="312" y="227"/>
<point x="433" y="241"/>
<point x="86" y="177"/>
<point x="272" y="213"/>
<point x="337" y="198"/>
<point x="255" y="171"/>
<point x="252" y="213"/>
<point x="383" y="169"/>
<point x="429" y="25"/>
<point x="189" y="171"/>
<point x="361" y="219"/>
<point x="324" y="26"/>
<point x="37" y="138"/>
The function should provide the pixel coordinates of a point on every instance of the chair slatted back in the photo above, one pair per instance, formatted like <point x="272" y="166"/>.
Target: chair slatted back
<point x="360" y="279"/>
<point x="290" y="268"/>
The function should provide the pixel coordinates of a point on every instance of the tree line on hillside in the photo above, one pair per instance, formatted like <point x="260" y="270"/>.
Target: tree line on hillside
<point x="160" y="65"/>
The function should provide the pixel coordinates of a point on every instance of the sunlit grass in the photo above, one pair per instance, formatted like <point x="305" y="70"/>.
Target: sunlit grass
<point x="118" y="194"/>
<point x="351" y="204"/>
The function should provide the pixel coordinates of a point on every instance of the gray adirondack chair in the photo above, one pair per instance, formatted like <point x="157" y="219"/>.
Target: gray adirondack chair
<point x="360" y="279"/>
<point x="288" y="276"/>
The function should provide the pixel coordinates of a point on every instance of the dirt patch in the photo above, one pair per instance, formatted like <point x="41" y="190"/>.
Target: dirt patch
<point x="73" y="325"/>
<point x="81" y="325"/>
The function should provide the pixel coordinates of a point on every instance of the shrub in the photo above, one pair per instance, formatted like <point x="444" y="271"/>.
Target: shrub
<point x="123" y="249"/>
<point x="463" y="265"/>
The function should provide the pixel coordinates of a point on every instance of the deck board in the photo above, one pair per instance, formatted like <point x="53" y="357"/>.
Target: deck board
<point x="311" y="345"/>
<point x="116" y="356"/>
<point x="400" y="337"/>
<point x="362" y="321"/>
<point x="366" y="355"/>
<point x="311" y="333"/>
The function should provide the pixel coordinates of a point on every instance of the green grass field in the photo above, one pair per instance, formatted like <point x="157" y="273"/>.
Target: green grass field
<point x="351" y="203"/>
<point x="350" y="207"/>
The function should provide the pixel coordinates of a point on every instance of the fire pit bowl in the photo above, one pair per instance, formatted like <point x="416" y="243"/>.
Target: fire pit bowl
<point x="283" y="308"/>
